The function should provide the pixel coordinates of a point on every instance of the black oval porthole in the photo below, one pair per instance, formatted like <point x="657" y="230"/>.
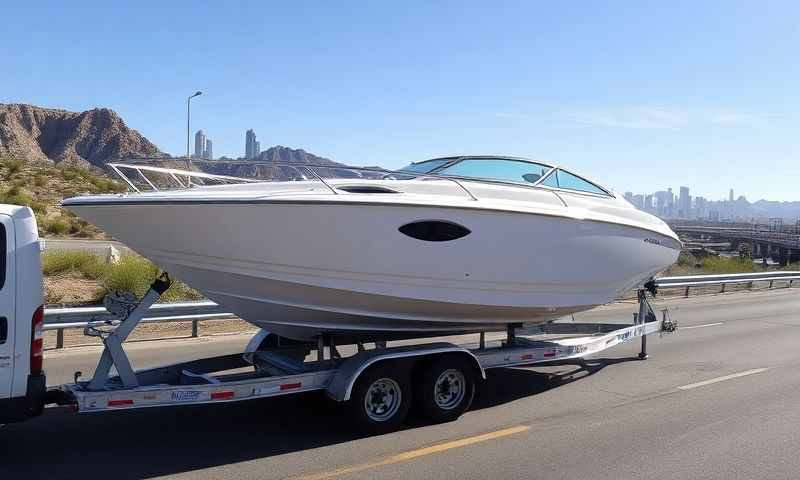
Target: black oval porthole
<point x="434" y="230"/>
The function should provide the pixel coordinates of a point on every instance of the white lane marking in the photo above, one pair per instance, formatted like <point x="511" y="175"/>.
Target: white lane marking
<point x="722" y="379"/>
<point x="700" y="326"/>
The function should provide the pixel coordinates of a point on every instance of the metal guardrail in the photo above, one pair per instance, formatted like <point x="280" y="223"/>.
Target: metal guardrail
<point x="60" y="319"/>
<point x="690" y="281"/>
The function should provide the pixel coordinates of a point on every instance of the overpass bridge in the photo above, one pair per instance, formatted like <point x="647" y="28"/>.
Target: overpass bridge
<point x="783" y="247"/>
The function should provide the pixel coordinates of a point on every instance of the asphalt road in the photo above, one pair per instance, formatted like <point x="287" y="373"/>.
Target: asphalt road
<point x="719" y="399"/>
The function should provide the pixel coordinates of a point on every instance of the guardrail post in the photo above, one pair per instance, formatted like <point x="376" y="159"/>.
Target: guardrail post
<point x="686" y="294"/>
<point x="770" y="283"/>
<point x="60" y="338"/>
<point x="723" y="289"/>
<point x="749" y="285"/>
<point x="195" y="328"/>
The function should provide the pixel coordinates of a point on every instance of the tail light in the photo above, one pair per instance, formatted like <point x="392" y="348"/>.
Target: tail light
<point x="37" y="341"/>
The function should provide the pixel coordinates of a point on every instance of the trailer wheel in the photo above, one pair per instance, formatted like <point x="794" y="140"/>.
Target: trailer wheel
<point x="381" y="399"/>
<point x="446" y="389"/>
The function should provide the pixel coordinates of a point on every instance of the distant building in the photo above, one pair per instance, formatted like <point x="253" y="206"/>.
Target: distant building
<point x="700" y="207"/>
<point x="684" y="203"/>
<point x="199" y="144"/>
<point x="629" y="197"/>
<point x="251" y="147"/>
<point x="638" y="201"/>
<point x="208" y="154"/>
<point x="730" y="195"/>
<point x="648" y="203"/>
<point x="663" y="203"/>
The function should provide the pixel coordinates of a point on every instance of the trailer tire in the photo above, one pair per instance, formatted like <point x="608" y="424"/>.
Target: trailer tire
<point x="381" y="398"/>
<point x="446" y="389"/>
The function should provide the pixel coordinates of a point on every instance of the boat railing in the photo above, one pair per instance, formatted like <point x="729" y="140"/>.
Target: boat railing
<point x="141" y="178"/>
<point x="160" y="178"/>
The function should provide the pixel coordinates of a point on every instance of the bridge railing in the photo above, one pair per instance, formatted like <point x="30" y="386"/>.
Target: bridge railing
<point x="60" y="319"/>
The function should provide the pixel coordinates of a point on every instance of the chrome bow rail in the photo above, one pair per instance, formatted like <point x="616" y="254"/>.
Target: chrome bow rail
<point x="175" y="178"/>
<point x="151" y="178"/>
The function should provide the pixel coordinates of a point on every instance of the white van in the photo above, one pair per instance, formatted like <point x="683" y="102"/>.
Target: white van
<point x="22" y="379"/>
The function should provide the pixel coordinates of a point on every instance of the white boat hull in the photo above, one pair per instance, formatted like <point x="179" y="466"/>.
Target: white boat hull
<point x="304" y="268"/>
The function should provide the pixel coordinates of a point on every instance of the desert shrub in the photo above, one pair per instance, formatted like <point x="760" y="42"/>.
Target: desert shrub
<point x="105" y="185"/>
<point x="13" y="166"/>
<point x="63" y="261"/>
<point x="55" y="226"/>
<point x="77" y="225"/>
<point x="38" y="207"/>
<point x="15" y="195"/>
<point x="135" y="274"/>
<point x="131" y="273"/>
<point x="71" y="172"/>
<point x="40" y="180"/>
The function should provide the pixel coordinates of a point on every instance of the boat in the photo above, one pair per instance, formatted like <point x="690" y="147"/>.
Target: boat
<point x="444" y="246"/>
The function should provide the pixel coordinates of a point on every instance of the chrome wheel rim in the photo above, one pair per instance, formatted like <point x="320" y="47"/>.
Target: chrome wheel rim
<point x="450" y="389"/>
<point x="382" y="399"/>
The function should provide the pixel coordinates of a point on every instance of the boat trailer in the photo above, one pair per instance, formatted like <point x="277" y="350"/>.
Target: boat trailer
<point x="376" y="383"/>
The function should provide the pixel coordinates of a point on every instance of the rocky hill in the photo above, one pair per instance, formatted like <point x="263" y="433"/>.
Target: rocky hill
<point x="273" y="164"/>
<point x="81" y="139"/>
<point x="281" y="154"/>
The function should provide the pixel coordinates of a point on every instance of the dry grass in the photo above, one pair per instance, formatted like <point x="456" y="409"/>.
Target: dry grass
<point x="131" y="273"/>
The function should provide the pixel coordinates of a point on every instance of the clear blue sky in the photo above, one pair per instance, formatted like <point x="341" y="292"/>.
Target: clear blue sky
<point x="638" y="95"/>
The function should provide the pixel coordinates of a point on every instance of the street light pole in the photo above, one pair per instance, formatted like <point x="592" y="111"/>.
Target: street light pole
<point x="188" y="117"/>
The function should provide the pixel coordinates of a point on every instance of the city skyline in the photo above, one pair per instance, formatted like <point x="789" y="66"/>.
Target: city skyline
<point x="668" y="205"/>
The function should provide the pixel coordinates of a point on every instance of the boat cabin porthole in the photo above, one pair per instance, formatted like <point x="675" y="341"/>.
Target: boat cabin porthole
<point x="434" y="230"/>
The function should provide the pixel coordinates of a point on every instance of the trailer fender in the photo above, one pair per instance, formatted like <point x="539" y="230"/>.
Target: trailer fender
<point x="341" y="386"/>
<point x="256" y="341"/>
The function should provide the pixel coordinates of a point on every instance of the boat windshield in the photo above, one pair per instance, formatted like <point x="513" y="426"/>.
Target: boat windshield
<point x="502" y="169"/>
<point x="568" y="181"/>
<point x="427" y="166"/>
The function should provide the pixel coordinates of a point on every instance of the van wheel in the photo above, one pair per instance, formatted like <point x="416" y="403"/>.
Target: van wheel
<point x="447" y="389"/>
<point x="380" y="399"/>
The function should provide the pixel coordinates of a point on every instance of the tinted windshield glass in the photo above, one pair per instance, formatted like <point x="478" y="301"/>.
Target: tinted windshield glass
<point x="506" y="170"/>
<point x="568" y="181"/>
<point x="425" y="167"/>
